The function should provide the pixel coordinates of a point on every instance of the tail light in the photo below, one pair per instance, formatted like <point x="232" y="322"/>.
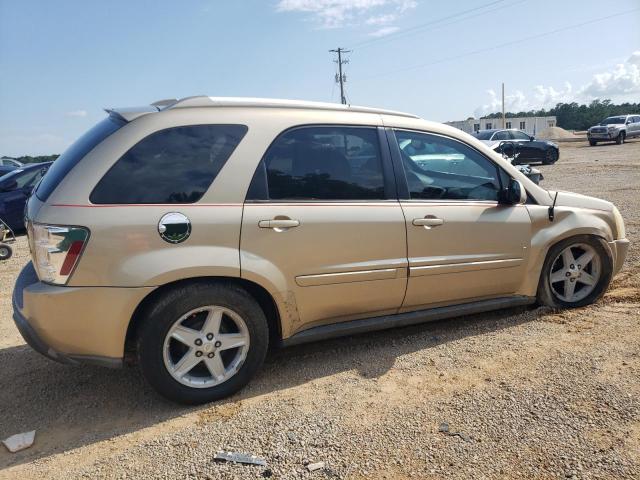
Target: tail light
<point x="56" y="251"/>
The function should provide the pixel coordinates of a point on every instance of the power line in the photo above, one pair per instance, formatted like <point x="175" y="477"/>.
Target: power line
<point x="501" y="45"/>
<point x="414" y="29"/>
<point x="340" y="77"/>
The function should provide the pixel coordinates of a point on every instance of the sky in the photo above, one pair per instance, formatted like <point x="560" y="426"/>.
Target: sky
<point x="62" y="62"/>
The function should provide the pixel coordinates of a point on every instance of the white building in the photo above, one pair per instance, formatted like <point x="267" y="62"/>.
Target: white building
<point x="530" y="125"/>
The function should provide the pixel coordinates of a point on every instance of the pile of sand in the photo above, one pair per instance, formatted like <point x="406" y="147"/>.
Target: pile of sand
<point x="555" y="133"/>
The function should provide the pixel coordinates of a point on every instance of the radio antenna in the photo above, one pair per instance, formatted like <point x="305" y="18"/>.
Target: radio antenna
<point x="552" y="208"/>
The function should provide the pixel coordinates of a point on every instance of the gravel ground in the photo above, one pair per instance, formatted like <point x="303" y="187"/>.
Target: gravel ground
<point x="526" y="393"/>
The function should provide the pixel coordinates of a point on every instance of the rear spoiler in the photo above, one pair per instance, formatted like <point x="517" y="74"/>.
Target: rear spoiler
<point x="131" y="113"/>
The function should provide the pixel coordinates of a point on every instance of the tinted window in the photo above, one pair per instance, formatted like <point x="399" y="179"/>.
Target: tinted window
<point x="325" y="163"/>
<point x="29" y="178"/>
<point x="442" y="168"/>
<point x="503" y="135"/>
<point x="484" y="134"/>
<point x="519" y="136"/>
<point x="176" y="165"/>
<point x="72" y="155"/>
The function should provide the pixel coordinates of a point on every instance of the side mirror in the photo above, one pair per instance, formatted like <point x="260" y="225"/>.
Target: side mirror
<point x="9" y="186"/>
<point x="513" y="194"/>
<point x="531" y="138"/>
<point x="628" y="122"/>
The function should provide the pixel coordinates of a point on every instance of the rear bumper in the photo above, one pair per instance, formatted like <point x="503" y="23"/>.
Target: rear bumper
<point x="619" y="248"/>
<point x="74" y="324"/>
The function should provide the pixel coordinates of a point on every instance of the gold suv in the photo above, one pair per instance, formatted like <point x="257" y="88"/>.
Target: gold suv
<point x="191" y="234"/>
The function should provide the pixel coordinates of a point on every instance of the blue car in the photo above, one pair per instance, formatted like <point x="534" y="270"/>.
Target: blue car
<point x="15" y="189"/>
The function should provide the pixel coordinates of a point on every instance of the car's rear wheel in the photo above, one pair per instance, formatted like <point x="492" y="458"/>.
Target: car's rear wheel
<point x="576" y="272"/>
<point x="620" y="138"/>
<point x="202" y="342"/>
<point x="551" y="156"/>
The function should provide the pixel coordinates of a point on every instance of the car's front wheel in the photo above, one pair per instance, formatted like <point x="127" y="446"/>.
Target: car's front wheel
<point x="593" y="143"/>
<point x="551" y="156"/>
<point x="202" y="342"/>
<point x="576" y="272"/>
<point x="620" y="138"/>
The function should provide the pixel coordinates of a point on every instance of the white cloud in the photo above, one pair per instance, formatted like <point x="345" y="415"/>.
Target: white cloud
<point x="384" y="31"/>
<point x="623" y="80"/>
<point x="76" y="113"/>
<point x="620" y="84"/>
<point x="340" y="13"/>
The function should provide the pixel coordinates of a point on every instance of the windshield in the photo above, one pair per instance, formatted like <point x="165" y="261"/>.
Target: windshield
<point x="613" y="120"/>
<point x="76" y="152"/>
<point x="9" y="175"/>
<point x="484" y="134"/>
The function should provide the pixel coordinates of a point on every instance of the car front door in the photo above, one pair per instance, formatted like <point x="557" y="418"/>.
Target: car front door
<point x="527" y="148"/>
<point x="322" y="226"/>
<point x="462" y="244"/>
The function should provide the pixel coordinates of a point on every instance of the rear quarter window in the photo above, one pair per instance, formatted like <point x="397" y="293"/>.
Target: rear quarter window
<point x="176" y="165"/>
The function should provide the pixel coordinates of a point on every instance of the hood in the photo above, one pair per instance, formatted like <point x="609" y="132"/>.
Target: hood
<point x="570" y="199"/>
<point x="610" y="125"/>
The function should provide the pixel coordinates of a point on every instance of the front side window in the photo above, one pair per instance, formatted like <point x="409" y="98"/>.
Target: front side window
<point x="176" y="165"/>
<point x="519" y="136"/>
<point x="325" y="163"/>
<point x="502" y="135"/>
<point x="440" y="168"/>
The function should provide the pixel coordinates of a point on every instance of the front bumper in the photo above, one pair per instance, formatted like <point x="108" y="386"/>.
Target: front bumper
<point x="74" y="324"/>
<point x="619" y="249"/>
<point x="602" y="136"/>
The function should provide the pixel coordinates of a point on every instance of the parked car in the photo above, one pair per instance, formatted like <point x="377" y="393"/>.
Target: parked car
<point x="10" y="162"/>
<point x="4" y="169"/>
<point x="190" y="236"/>
<point x="15" y="188"/>
<point x="530" y="150"/>
<point x="615" y="129"/>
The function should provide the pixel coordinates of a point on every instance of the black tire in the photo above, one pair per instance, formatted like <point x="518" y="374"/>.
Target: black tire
<point x="161" y="315"/>
<point x="545" y="294"/>
<point x="620" y="138"/>
<point x="5" y="251"/>
<point x="550" y="156"/>
<point x="593" y="143"/>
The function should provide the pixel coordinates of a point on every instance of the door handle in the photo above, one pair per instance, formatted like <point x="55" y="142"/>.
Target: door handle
<point x="428" y="222"/>
<point x="278" y="223"/>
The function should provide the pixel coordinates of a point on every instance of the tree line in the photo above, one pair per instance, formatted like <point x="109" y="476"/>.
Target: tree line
<point x="573" y="116"/>
<point x="38" y="159"/>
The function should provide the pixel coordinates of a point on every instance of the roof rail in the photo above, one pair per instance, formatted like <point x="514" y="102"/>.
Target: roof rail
<point x="204" y="101"/>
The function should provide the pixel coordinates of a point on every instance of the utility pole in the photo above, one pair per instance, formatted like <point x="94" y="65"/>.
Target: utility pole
<point x="340" y="77"/>
<point x="503" y="117"/>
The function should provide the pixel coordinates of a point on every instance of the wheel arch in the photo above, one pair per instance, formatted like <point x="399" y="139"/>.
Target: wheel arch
<point x="544" y="251"/>
<point x="258" y="292"/>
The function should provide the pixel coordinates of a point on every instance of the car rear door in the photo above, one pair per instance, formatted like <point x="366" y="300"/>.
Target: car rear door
<point x="462" y="244"/>
<point x="323" y="227"/>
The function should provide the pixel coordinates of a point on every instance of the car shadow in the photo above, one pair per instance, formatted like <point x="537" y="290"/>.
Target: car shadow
<point x="71" y="407"/>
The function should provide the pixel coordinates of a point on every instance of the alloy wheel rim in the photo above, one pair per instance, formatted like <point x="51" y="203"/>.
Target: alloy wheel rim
<point x="206" y="346"/>
<point x="4" y="252"/>
<point x="575" y="273"/>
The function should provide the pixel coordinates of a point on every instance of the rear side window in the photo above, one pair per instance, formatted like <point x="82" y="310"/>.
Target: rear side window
<point x="176" y="165"/>
<point x="70" y="158"/>
<point x="325" y="163"/>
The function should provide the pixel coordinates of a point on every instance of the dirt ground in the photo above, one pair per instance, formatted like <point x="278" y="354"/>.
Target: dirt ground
<point x="533" y="393"/>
